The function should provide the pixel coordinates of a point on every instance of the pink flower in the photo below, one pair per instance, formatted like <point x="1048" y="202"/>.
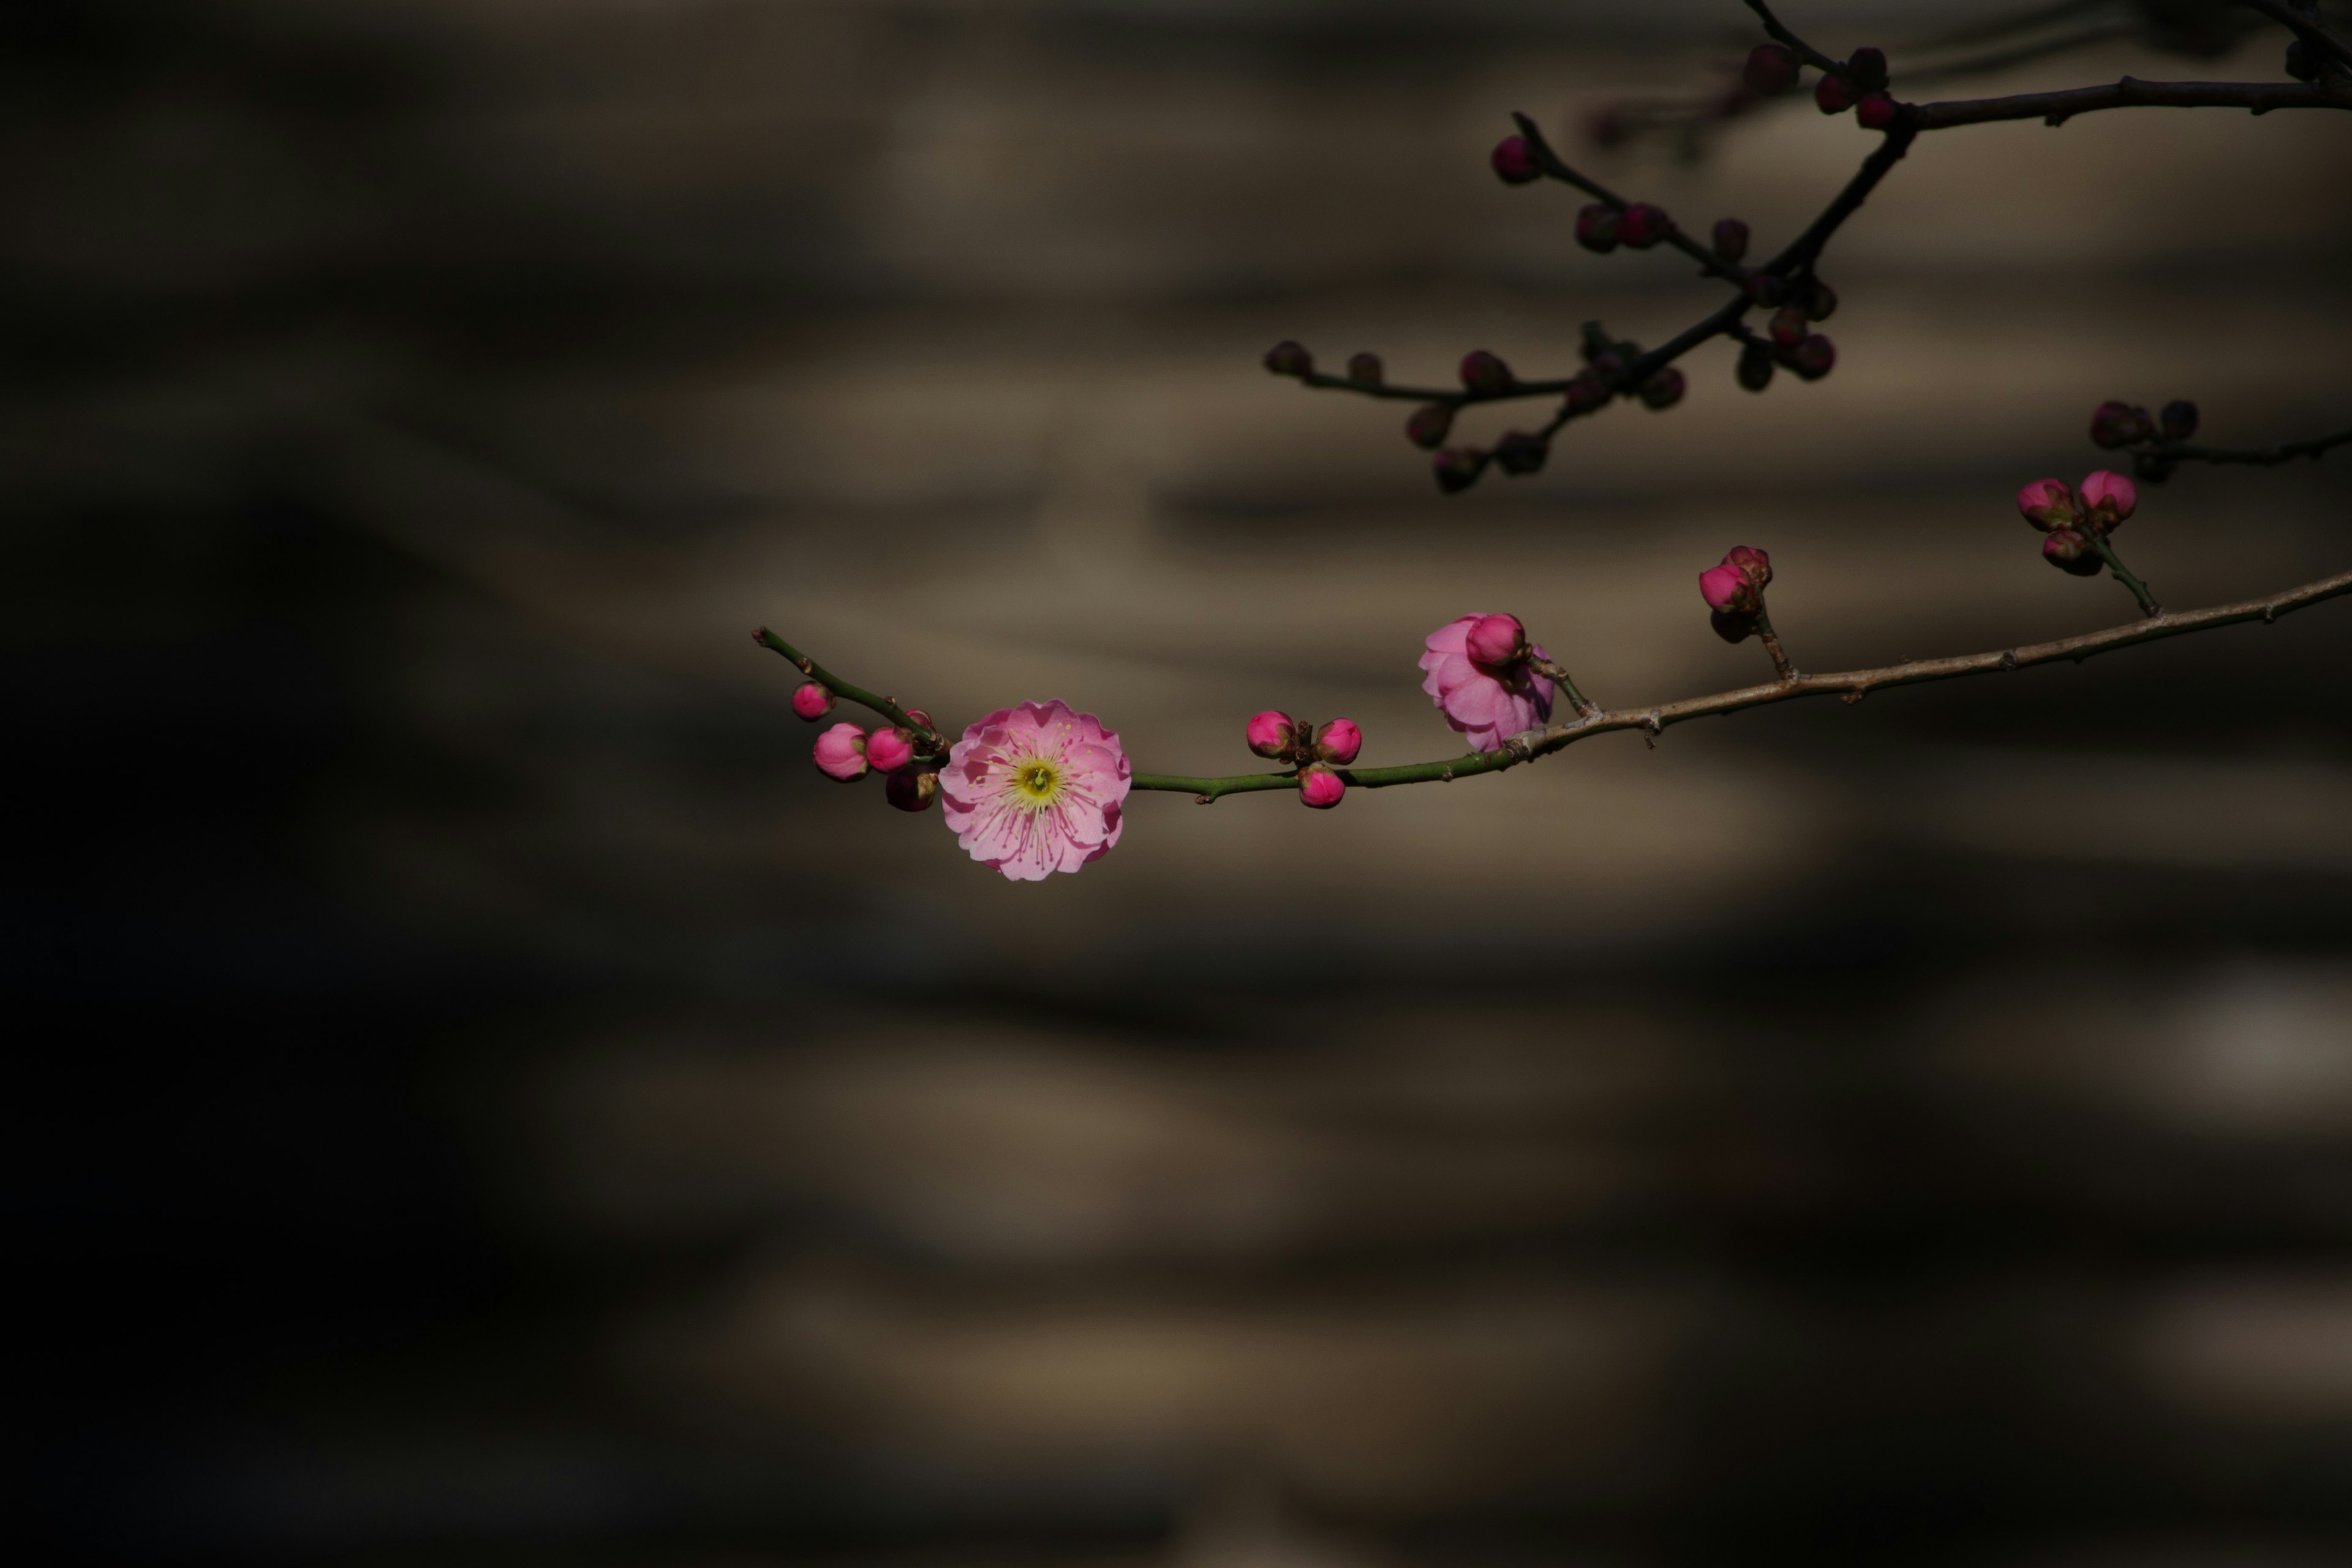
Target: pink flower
<point x="2046" y="504"/>
<point x="1339" y="741"/>
<point x="890" y="750"/>
<point x="1269" y="732"/>
<point x="812" y="701"/>
<point x="1035" y="789"/>
<point x="1320" y="788"/>
<point x="2107" y="499"/>
<point x="1515" y="161"/>
<point x="841" y="753"/>
<point x="1486" y="703"/>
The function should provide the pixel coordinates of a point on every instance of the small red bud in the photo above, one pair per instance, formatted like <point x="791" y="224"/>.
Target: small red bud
<point x="1731" y="238"/>
<point x="1664" y="389"/>
<point x="2119" y="424"/>
<point x="1270" y="733"/>
<point x="1485" y="373"/>
<point x="840" y="752"/>
<point x="1813" y="358"/>
<point x="912" y="790"/>
<point x="1643" y="225"/>
<point x="1366" y="369"/>
<point x="1515" y="161"/>
<point x="1732" y="626"/>
<point x="2046" y="504"/>
<point x="1289" y="358"/>
<point x="1752" y="562"/>
<point x="1497" y="641"/>
<point x="1822" y="302"/>
<point x="1875" y="112"/>
<point x="1789" y="326"/>
<point x="2106" y="497"/>
<point x="812" y="701"/>
<point x="1771" y="67"/>
<point x="1766" y="292"/>
<point x="1320" y="787"/>
<point x="1458" y="467"/>
<point x="918" y="717"/>
<point x="1520" y="453"/>
<point x="1833" y="94"/>
<point x="1586" y="392"/>
<point x="1754" y="372"/>
<point x="1339" y="741"/>
<point x="1867" y="68"/>
<point x="1596" y="227"/>
<point x="889" y="749"/>
<point x="2153" y="467"/>
<point x="2179" y="419"/>
<point x="2071" y="552"/>
<point x="1429" y="423"/>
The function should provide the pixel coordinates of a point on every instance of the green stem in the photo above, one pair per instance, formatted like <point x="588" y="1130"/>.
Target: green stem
<point x="886" y="706"/>
<point x="2148" y="605"/>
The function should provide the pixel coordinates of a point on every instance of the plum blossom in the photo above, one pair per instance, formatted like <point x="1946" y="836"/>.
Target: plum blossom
<point x="1034" y="789"/>
<point x="1487" y="703"/>
<point x="841" y="753"/>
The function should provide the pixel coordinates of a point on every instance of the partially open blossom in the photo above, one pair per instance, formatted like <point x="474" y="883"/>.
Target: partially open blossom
<point x="1486" y="703"/>
<point x="2115" y="423"/>
<point x="1485" y="372"/>
<point x="1269" y="732"/>
<point x="1339" y="741"/>
<point x="1596" y="227"/>
<point x="1496" y="640"/>
<point x="889" y="750"/>
<point x="812" y="701"/>
<point x="1731" y="238"/>
<point x="1289" y="358"/>
<point x="911" y="790"/>
<point x="1515" y="161"/>
<point x="2047" y="504"/>
<point x="1320" y="788"/>
<point x="1771" y="67"/>
<point x="841" y="753"/>
<point x="1429" y="423"/>
<point x="2069" y="550"/>
<point x="2106" y="499"/>
<point x="1875" y="112"/>
<point x="1035" y="789"/>
<point x="1643" y="225"/>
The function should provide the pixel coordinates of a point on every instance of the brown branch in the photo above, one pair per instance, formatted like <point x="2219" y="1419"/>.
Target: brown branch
<point x="2258" y="456"/>
<point x="2130" y="92"/>
<point x="2305" y="24"/>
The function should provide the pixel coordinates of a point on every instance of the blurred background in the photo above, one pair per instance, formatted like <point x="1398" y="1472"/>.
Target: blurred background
<point x="483" y="1098"/>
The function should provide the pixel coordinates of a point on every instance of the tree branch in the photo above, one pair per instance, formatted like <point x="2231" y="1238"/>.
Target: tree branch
<point x="2130" y="92"/>
<point x="886" y="706"/>
<point x="2257" y="456"/>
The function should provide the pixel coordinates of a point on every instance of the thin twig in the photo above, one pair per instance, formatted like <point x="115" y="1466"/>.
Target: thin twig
<point x="927" y="738"/>
<point x="2259" y="456"/>
<point x="2130" y="92"/>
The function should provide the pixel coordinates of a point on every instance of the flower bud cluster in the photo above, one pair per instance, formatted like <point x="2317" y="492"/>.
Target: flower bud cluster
<point x="1315" y="751"/>
<point x="1602" y="229"/>
<point x="2117" y="424"/>
<point x="1789" y="339"/>
<point x="2076" y="519"/>
<point x="1734" y="591"/>
<point x="1860" y="84"/>
<point x="847" y="753"/>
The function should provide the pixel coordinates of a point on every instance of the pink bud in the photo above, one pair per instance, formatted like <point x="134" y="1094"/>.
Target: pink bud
<point x="1727" y="588"/>
<point x="1269" y="732"/>
<point x="1496" y="640"/>
<point x="1642" y="225"/>
<point x="1875" y="112"/>
<point x="1339" y="741"/>
<point x="1484" y="372"/>
<point x="1813" y="358"/>
<point x="890" y="750"/>
<point x="1731" y="238"/>
<point x="1586" y="392"/>
<point x="1289" y="358"/>
<point x="812" y="701"/>
<point x="2106" y="500"/>
<point x="920" y="718"/>
<point x="1771" y="67"/>
<point x="1515" y="161"/>
<point x="1596" y="227"/>
<point x="1429" y="423"/>
<point x="1320" y="788"/>
<point x="2046" y="504"/>
<point x="841" y="753"/>
<point x="2071" y="552"/>
<point x="913" y="790"/>
<point x="1833" y="94"/>
<point x="1754" y="562"/>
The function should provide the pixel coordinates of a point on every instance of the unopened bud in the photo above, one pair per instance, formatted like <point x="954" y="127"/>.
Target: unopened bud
<point x="1732" y="626"/>
<point x="1821" y="301"/>
<point x="918" y="718"/>
<point x="1789" y="326"/>
<point x="1458" y="467"/>
<point x="812" y="701"/>
<point x="1495" y="641"/>
<point x="1586" y="392"/>
<point x="1289" y="358"/>
<point x="1833" y="94"/>
<point x="1270" y="733"/>
<point x="2179" y="419"/>
<point x="1813" y="358"/>
<point x="2301" y="63"/>
<point x="890" y="749"/>
<point x="2106" y="499"/>
<point x="1366" y="368"/>
<point x="1515" y="162"/>
<point x="2117" y="424"/>
<point x="1485" y="373"/>
<point x="913" y="790"/>
<point x="1596" y="227"/>
<point x="2071" y="552"/>
<point x="1520" y="453"/>
<point x="1339" y="741"/>
<point x="2046" y="504"/>
<point x="1766" y="292"/>
<point x="1642" y="225"/>
<point x="1875" y="112"/>
<point x="1727" y="588"/>
<point x="1664" y="389"/>
<point x="1771" y="67"/>
<point x="1320" y="787"/>
<point x="1751" y="562"/>
<point x="2153" y="467"/>
<point x="1731" y="238"/>
<point x="840" y="752"/>
<point x="1867" y="66"/>
<point x="1429" y="423"/>
<point x="1754" y="372"/>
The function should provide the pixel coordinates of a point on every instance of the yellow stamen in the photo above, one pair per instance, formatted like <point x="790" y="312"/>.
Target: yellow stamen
<point x="1036" y="782"/>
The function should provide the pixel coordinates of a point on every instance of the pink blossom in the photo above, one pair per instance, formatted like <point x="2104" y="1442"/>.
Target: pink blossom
<point x="1320" y="788"/>
<point x="890" y="750"/>
<point x="2107" y="499"/>
<point x="1269" y="732"/>
<point x="1339" y="741"/>
<point x="1034" y="789"/>
<point x="841" y="753"/>
<point x="1486" y="704"/>
<point x="812" y="701"/>
<point x="2046" y="504"/>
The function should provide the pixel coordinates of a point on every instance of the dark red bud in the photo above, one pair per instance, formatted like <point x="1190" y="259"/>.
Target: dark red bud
<point x="1867" y="68"/>
<point x="1289" y="358"/>
<point x="2179" y="419"/>
<point x="1875" y="112"/>
<point x="2117" y="424"/>
<point x="1766" y="292"/>
<point x="1833" y="94"/>
<point x="1520" y="453"/>
<point x="1771" y="67"/>
<point x="2153" y="467"/>
<point x="1515" y="161"/>
<point x="911" y="790"/>
<point x="1643" y="225"/>
<point x="1429" y="423"/>
<point x="1821" y="303"/>
<point x="1596" y="228"/>
<point x="1365" y="368"/>
<point x="1788" y="327"/>
<point x="1813" y="358"/>
<point x="1586" y="392"/>
<point x="1458" y="467"/>
<point x="1754" y="372"/>
<point x="1731" y="238"/>
<point x="1732" y="626"/>
<point x="1664" y="389"/>
<point x="1485" y="373"/>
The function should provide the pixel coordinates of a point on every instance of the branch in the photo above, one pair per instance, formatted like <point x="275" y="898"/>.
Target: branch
<point x="2057" y="108"/>
<point x="886" y="706"/>
<point x="2257" y="456"/>
<point x="1852" y="686"/>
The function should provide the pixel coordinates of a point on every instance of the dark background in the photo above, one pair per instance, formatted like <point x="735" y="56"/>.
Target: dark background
<point x="481" y="1097"/>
